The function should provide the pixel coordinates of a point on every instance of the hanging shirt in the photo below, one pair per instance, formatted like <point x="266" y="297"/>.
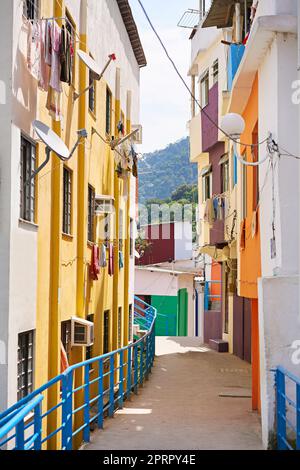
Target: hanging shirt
<point x="55" y="82"/>
<point x="121" y="260"/>
<point x="34" y="49"/>
<point x="44" y="67"/>
<point x="102" y="256"/>
<point x="48" y="43"/>
<point x="54" y="104"/>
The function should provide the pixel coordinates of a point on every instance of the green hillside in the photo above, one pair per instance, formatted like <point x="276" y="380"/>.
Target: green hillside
<point x="163" y="171"/>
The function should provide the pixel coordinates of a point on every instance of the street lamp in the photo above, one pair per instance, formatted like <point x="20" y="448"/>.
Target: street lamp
<point x="233" y="125"/>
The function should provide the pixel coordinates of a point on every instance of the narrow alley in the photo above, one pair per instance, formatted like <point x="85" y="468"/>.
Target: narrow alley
<point x="180" y="407"/>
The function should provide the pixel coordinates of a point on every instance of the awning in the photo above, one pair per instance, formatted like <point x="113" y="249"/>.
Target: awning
<point x="224" y="159"/>
<point x="221" y="13"/>
<point x="206" y="170"/>
<point x="215" y="253"/>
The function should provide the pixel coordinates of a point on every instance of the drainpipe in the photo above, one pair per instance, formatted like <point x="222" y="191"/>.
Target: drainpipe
<point x="55" y="274"/>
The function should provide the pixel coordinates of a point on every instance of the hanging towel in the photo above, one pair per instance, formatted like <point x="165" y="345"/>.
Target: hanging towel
<point x="111" y="260"/>
<point x="55" y="82"/>
<point x="54" y="104"/>
<point x="44" y="67"/>
<point x="65" y="57"/>
<point x="34" y="49"/>
<point x="48" y="44"/>
<point x="102" y="257"/>
<point x="94" y="267"/>
<point x="121" y="260"/>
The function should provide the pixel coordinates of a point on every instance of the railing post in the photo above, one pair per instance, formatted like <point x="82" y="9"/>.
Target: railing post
<point x="38" y="426"/>
<point x="121" y="386"/>
<point x="141" y="362"/>
<point x="281" y="410"/>
<point x="298" y="416"/>
<point x="86" y="414"/>
<point x="129" y="372"/>
<point x="135" y="368"/>
<point x="20" y="441"/>
<point x="67" y="408"/>
<point x="147" y="356"/>
<point x="111" y="385"/>
<point x="100" y="392"/>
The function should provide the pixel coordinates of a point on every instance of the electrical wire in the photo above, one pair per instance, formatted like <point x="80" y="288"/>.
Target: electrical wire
<point x="188" y="88"/>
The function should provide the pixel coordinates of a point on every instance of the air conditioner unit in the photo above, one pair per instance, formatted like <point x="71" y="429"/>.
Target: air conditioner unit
<point x="138" y="137"/>
<point x="82" y="332"/>
<point x="104" y="204"/>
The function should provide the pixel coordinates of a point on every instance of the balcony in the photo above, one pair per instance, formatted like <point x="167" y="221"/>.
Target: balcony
<point x="236" y="52"/>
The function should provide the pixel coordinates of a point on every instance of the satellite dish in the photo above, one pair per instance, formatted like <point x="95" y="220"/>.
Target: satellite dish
<point x="90" y="63"/>
<point x="51" y="139"/>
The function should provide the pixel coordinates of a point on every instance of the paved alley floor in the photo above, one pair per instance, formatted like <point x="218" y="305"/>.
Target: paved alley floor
<point x="180" y="407"/>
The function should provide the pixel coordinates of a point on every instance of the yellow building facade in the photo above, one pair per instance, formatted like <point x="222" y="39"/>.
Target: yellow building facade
<point x="64" y="229"/>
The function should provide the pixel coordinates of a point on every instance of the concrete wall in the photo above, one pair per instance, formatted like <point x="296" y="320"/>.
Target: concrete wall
<point x="155" y="283"/>
<point x="279" y="323"/>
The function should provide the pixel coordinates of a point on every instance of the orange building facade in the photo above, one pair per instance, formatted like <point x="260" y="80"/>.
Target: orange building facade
<point x="249" y="252"/>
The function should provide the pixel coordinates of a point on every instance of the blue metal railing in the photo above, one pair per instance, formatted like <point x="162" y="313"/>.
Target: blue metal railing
<point x="208" y="296"/>
<point x="86" y="393"/>
<point x="287" y="410"/>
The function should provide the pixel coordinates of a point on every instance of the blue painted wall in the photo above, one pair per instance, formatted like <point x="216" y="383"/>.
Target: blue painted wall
<point x="236" y="52"/>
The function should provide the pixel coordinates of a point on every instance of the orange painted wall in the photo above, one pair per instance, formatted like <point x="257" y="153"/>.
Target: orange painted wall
<point x="250" y="256"/>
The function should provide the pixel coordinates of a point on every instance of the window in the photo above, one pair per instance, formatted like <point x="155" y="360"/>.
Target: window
<point x="204" y="89"/>
<point x="108" y="111"/>
<point x="224" y="162"/>
<point x="215" y="71"/>
<point x="71" y="28"/>
<point x="130" y="320"/>
<point x="31" y="9"/>
<point x="119" y="327"/>
<point x="91" y="211"/>
<point x="92" y="92"/>
<point x="131" y="246"/>
<point x="255" y="170"/>
<point x="121" y="229"/>
<point x="106" y="332"/>
<point x="28" y="165"/>
<point x="89" y="349"/>
<point x="25" y="364"/>
<point x="235" y="169"/>
<point x="67" y="201"/>
<point x="206" y="183"/>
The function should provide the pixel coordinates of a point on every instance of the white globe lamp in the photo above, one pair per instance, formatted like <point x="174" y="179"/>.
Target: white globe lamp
<point x="233" y="124"/>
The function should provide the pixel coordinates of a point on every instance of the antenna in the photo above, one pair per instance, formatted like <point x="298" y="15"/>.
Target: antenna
<point x="54" y="144"/>
<point x="94" y="68"/>
<point x="114" y="143"/>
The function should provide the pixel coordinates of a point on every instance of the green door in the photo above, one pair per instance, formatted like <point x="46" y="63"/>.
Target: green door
<point x="182" y="312"/>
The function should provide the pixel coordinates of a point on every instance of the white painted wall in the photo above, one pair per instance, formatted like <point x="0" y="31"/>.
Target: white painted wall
<point x="279" y="324"/>
<point x="155" y="283"/>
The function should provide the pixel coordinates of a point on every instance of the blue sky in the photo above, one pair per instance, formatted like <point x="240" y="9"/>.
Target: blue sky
<point x="165" y="103"/>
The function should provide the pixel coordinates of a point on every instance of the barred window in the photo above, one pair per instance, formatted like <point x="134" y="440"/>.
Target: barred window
<point x="106" y="332"/>
<point x="130" y="320"/>
<point x="25" y="364"/>
<point x="108" y="110"/>
<point x="31" y="9"/>
<point x="91" y="213"/>
<point x="67" y="201"/>
<point x="92" y="92"/>
<point x="119" y="327"/>
<point x="28" y="165"/>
